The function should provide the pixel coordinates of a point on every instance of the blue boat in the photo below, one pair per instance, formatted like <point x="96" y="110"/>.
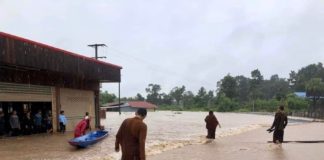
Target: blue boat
<point x="89" y="139"/>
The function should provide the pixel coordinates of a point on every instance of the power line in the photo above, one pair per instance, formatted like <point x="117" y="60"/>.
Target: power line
<point x="156" y="67"/>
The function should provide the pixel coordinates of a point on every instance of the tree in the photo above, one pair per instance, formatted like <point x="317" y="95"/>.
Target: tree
<point x="188" y="99"/>
<point x="256" y="81"/>
<point x="225" y="104"/>
<point x="228" y="86"/>
<point x="153" y="94"/>
<point x="177" y="93"/>
<point x="274" y="78"/>
<point x="125" y="99"/>
<point x="166" y="99"/>
<point x="281" y="88"/>
<point x="257" y="76"/>
<point x="139" y="97"/>
<point x="292" y="79"/>
<point x="275" y="88"/>
<point x="243" y="88"/>
<point x="315" y="89"/>
<point x="105" y="97"/>
<point x="306" y="74"/>
<point x="295" y="103"/>
<point x="211" y="99"/>
<point x="201" y="99"/>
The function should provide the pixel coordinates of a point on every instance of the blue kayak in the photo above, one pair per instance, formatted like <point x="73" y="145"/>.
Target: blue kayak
<point x="88" y="139"/>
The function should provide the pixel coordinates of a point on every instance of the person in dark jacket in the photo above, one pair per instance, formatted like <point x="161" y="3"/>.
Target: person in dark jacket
<point x="2" y="124"/>
<point x="48" y="122"/>
<point x="279" y="124"/>
<point x="38" y="122"/>
<point x="211" y="124"/>
<point x="27" y="124"/>
<point x="14" y="124"/>
<point x="131" y="137"/>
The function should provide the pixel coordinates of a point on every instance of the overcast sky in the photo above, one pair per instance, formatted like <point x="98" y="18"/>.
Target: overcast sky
<point x="177" y="42"/>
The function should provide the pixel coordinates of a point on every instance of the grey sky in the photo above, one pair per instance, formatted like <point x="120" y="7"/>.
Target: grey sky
<point x="177" y="42"/>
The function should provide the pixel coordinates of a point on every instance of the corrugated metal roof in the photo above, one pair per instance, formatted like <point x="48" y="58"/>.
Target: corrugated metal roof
<point x="57" y="49"/>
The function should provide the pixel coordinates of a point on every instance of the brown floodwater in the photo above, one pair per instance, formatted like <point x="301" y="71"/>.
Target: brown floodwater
<point x="166" y="130"/>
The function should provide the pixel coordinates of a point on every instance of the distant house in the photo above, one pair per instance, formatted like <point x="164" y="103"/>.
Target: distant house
<point x="130" y="106"/>
<point x="304" y="95"/>
<point x="300" y="94"/>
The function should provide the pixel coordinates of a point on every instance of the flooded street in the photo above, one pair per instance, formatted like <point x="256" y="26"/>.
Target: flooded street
<point x="166" y="130"/>
<point x="253" y="146"/>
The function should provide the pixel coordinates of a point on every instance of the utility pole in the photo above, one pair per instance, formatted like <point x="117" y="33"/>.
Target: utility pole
<point x="97" y="110"/>
<point x="95" y="46"/>
<point x="119" y="98"/>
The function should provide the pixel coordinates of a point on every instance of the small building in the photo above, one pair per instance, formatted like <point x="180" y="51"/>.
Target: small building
<point x="300" y="94"/>
<point x="305" y="95"/>
<point x="36" y="76"/>
<point x="130" y="106"/>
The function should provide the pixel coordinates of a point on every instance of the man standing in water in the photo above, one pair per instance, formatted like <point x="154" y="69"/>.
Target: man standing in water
<point x="211" y="124"/>
<point x="131" y="137"/>
<point x="2" y="124"/>
<point x="63" y="122"/>
<point x="279" y="124"/>
<point x="14" y="124"/>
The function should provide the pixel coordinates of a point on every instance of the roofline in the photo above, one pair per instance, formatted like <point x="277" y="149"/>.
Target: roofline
<point x="57" y="49"/>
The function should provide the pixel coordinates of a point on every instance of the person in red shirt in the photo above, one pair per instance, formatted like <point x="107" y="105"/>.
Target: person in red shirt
<point x="80" y="128"/>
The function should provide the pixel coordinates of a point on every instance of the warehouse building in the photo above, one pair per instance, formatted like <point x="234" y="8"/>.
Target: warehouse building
<point x="36" y="76"/>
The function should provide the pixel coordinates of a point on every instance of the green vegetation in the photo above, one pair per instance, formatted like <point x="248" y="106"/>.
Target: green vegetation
<point x="245" y="94"/>
<point x="106" y="97"/>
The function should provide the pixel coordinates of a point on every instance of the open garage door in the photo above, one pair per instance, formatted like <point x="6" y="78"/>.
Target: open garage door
<point x="24" y="98"/>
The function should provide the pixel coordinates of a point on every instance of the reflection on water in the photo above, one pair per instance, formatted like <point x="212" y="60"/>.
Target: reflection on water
<point x="166" y="130"/>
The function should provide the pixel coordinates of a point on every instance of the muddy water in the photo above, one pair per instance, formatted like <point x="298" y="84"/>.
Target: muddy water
<point x="166" y="130"/>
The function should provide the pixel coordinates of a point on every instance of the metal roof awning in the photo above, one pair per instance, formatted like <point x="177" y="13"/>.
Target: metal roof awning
<point x="18" y="53"/>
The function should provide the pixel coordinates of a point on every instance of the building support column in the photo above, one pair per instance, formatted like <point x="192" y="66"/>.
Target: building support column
<point x="97" y="105"/>
<point x="58" y="107"/>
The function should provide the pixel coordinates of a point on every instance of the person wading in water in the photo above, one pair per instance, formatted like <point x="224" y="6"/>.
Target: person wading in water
<point x="131" y="137"/>
<point x="211" y="124"/>
<point x="279" y="124"/>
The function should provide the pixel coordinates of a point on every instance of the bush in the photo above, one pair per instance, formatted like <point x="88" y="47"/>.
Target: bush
<point x="225" y="104"/>
<point x="244" y="110"/>
<point x="295" y="103"/>
<point x="266" y="105"/>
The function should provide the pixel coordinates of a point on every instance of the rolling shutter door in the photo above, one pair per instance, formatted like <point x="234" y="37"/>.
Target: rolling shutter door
<point x="14" y="92"/>
<point x="75" y="103"/>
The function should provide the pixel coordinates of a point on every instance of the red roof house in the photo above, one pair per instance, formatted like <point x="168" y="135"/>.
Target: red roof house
<point x="129" y="106"/>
